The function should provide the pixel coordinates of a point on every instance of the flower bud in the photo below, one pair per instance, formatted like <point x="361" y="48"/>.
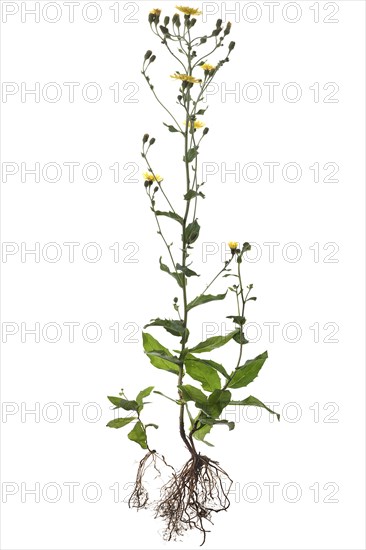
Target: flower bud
<point x="156" y="189"/>
<point x="175" y="300"/>
<point x="192" y="23"/>
<point x="145" y="138"/>
<point x="231" y="46"/>
<point x="203" y="40"/>
<point x="166" y="20"/>
<point x="152" y="58"/>
<point x="148" y="54"/>
<point x="227" y="29"/>
<point x="164" y="30"/>
<point x="205" y="131"/>
<point x="176" y="20"/>
<point x="218" y="23"/>
<point x="152" y="141"/>
<point x="151" y="18"/>
<point x="146" y="184"/>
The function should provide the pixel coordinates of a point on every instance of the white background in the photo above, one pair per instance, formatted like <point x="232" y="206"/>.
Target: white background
<point x="318" y="385"/>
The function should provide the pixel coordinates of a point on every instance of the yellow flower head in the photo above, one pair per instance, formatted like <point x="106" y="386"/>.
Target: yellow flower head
<point x="208" y="67"/>
<point x="197" y="124"/>
<point x="156" y="11"/>
<point x="186" y="78"/>
<point x="188" y="10"/>
<point x="233" y="245"/>
<point x="148" y="176"/>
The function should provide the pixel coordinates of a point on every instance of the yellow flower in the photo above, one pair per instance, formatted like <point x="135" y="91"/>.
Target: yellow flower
<point x="188" y="10"/>
<point x="148" y="176"/>
<point x="197" y="124"/>
<point x="208" y="67"/>
<point x="186" y="77"/>
<point x="156" y="11"/>
<point x="233" y="245"/>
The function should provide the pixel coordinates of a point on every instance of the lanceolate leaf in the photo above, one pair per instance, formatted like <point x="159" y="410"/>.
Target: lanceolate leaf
<point x="201" y="434"/>
<point x="207" y="363"/>
<point x="216" y="403"/>
<point x="120" y="403"/>
<point x="204" y="373"/>
<point x="177" y="276"/>
<point x="151" y="344"/>
<point x="192" y="232"/>
<point x="191" y="154"/>
<point x="187" y="272"/>
<point x="214" y="422"/>
<point x="138" y="435"/>
<point x="192" y="194"/>
<point x="204" y="299"/>
<point x="120" y="422"/>
<point x="171" y="128"/>
<point x="254" y="402"/>
<point x="248" y="372"/>
<point x="171" y="215"/>
<point x="172" y="326"/>
<point x="213" y="343"/>
<point x="143" y="393"/>
<point x="190" y="393"/>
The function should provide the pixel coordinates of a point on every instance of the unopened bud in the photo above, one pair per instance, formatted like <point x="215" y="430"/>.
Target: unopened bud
<point x="231" y="46"/>
<point x="227" y="29"/>
<point x="152" y="58"/>
<point x="166" y="20"/>
<point x="176" y="19"/>
<point x="164" y="30"/>
<point x="203" y="40"/>
<point x="152" y="141"/>
<point x="175" y="300"/>
<point x="218" y="23"/>
<point x="145" y="138"/>
<point x="205" y="131"/>
<point x="148" y="54"/>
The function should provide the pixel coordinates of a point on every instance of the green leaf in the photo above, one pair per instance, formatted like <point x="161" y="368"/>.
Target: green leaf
<point x="191" y="194"/>
<point x="238" y="319"/>
<point x="254" y="402"/>
<point x="177" y="276"/>
<point x="201" y="111"/>
<point x="171" y="215"/>
<point x="213" y="343"/>
<point x="204" y="373"/>
<point x="120" y="422"/>
<point x="204" y="299"/>
<point x="190" y="393"/>
<point x="214" y="421"/>
<point x="171" y="128"/>
<point x="138" y="435"/>
<point x="187" y="272"/>
<point x="201" y="434"/>
<point x="248" y="372"/>
<point x="191" y="154"/>
<point x="120" y="403"/>
<point x="151" y="344"/>
<point x="240" y="339"/>
<point x="209" y="363"/>
<point x="143" y="393"/>
<point x="216" y="403"/>
<point x="192" y="232"/>
<point x="153" y="425"/>
<point x="175" y="327"/>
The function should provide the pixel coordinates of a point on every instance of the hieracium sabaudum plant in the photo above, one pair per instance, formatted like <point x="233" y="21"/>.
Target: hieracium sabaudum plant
<point x="201" y="387"/>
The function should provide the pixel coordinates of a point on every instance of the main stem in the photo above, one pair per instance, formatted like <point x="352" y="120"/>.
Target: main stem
<point x="189" y="444"/>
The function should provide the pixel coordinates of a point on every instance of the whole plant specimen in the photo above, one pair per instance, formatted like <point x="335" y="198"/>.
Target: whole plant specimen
<point x="201" y="486"/>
